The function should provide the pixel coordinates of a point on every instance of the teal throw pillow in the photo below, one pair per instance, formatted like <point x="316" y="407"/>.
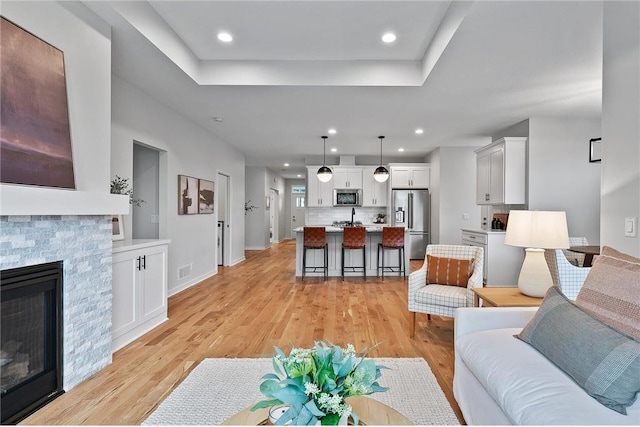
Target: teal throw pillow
<point x="600" y="359"/>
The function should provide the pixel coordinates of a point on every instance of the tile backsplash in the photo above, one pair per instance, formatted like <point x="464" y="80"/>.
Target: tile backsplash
<point x="326" y="216"/>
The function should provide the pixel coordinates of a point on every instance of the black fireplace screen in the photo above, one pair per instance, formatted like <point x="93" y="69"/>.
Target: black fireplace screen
<point x="30" y="339"/>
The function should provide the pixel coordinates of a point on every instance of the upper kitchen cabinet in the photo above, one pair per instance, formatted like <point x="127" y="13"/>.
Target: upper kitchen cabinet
<point x="319" y="194"/>
<point x="374" y="193"/>
<point x="500" y="168"/>
<point x="410" y="175"/>
<point x="347" y="177"/>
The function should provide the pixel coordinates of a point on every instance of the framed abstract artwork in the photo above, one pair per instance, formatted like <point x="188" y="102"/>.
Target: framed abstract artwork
<point x="35" y="144"/>
<point x="205" y="196"/>
<point x="187" y="195"/>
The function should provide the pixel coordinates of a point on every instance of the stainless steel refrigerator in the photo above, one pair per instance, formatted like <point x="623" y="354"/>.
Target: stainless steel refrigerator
<point x="411" y="209"/>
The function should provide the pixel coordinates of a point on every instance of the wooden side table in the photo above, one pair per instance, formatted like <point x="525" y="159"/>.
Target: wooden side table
<point x="504" y="297"/>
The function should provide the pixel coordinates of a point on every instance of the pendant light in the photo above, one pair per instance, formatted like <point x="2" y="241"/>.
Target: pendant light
<point x="381" y="173"/>
<point x="324" y="173"/>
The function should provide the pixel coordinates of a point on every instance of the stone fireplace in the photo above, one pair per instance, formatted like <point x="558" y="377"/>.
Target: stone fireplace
<point x="83" y="244"/>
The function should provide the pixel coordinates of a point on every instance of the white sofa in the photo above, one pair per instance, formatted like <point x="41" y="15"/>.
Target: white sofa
<point x="499" y="379"/>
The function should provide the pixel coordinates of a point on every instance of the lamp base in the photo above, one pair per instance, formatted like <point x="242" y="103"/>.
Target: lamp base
<point x="535" y="278"/>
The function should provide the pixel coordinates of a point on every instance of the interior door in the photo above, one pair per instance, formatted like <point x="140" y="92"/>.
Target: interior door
<point x="298" y="204"/>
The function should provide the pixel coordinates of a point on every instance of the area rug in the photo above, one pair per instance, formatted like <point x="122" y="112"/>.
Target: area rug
<point x="219" y="388"/>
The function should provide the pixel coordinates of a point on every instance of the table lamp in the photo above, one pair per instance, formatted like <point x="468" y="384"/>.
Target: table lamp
<point x="536" y="231"/>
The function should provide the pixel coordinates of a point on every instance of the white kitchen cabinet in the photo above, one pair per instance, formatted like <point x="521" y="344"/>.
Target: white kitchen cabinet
<point x="374" y="193"/>
<point x="347" y="177"/>
<point x="410" y="175"/>
<point x="501" y="172"/>
<point x="502" y="263"/>
<point x="319" y="194"/>
<point x="139" y="289"/>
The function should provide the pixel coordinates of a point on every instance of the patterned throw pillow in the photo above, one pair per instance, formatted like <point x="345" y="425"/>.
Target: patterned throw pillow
<point x="448" y="271"/>
<point x="611" y="291"/>
<point x="600" y="359"/>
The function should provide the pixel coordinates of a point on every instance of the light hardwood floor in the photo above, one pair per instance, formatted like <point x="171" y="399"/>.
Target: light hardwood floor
<point x="244" y="311"/>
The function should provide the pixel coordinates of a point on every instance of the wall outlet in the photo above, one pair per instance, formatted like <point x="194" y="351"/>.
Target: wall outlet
<point x="155" y="219"/>
<point x="465" y="216"/>
<point x="631" y="226"/>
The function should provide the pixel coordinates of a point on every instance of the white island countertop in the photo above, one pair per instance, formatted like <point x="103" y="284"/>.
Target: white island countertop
<point x="334" y="229"/>
<point x="479" y="230"/>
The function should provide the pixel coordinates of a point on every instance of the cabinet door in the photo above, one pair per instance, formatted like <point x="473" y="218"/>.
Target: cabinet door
<point x="420" y="178"/>
<point x="355" y="178"/>
<point x="153" y="283"/>
<point x="496" y="180"/>
<point x="374" y="193"/>
<point x="483" y="170"/>
<point x="325" y="192"/>
<point x="400" y="178"/>
<point x="340" y="178"/>
<point x="124" y="315"/>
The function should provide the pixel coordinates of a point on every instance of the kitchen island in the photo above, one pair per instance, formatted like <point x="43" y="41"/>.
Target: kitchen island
<point x="353" y="258"/>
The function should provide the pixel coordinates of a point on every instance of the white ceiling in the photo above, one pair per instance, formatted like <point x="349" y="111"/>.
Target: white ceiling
<point x="459" y="70"/>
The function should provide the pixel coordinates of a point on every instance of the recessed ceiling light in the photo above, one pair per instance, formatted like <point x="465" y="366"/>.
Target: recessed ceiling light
<point x="225" y="37"/>
<point x="333" y="150"/>
<point x="299" y="176"/>
<point x="401" y="149"/>
<point x="388" y="37"/>
<point x="286" y="165"/>
<point x="419" y="131"/>
<point x="218" y="119"/>
<point x="332" y="131"/>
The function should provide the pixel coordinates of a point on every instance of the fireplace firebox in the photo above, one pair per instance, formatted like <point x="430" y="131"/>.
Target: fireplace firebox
<point x="30" y="339"/>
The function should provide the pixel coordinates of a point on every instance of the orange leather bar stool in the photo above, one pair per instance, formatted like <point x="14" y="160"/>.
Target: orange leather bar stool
<point x="315" y="238"/>
<point x="392" y="238"/>
<point x="355" y="238"/>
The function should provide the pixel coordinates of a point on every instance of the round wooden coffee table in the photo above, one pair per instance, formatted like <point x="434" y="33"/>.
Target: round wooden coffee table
<point x="371" y="412"/>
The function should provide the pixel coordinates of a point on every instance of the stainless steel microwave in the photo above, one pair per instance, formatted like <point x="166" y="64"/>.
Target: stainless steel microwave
<point x="347" y="197"/>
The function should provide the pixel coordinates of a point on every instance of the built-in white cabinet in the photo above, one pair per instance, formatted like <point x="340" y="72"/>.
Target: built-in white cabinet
<point x="347" y="177"/>
<point x="502" y="262"/>
<point x="319" y="194"/>
<point x="501" y="172"/>
<point x="410" y="176"/>
<point x="374" y="193"/>
<point x="139" y="289"/>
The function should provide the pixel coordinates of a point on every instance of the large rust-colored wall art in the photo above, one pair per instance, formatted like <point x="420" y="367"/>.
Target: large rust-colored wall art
<point x="35" y="139"/>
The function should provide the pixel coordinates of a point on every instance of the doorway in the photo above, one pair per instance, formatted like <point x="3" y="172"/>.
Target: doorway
<point x="146" y="185"/>
<point x="298" y="205"/>
<point x="224" y="220"/>
<point x="274" y="208"/>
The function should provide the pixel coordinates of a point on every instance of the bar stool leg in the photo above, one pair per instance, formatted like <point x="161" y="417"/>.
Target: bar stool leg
<point x="342" y="265"/>
<point x="304" y="261"/>
<point x="326" y="261"/>
<point x="364" y="262"/>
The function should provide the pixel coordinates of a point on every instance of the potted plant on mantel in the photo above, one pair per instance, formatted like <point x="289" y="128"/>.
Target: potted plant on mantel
<point x="121" y="186"/>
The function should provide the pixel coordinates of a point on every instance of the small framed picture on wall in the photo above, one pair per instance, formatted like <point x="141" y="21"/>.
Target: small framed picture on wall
<point x="187" y="195"/>
<point x="205" y="196"/>
<point x="117" y="227"/>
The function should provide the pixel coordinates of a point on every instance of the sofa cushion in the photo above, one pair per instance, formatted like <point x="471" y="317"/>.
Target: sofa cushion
<point x="611" y="291"/>
<point x="528" y="388"/>
<point x="448" y="271"/>
<point x="603" y="361"/>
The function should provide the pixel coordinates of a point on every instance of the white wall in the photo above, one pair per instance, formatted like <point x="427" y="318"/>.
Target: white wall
<point x="86" y="44"/>
<point x="192" y="151"/>
<point x="560" y="175"/>
<point x="453" y="192"/>
<point x="620" y="124"/>
<point x="257" y="220"/>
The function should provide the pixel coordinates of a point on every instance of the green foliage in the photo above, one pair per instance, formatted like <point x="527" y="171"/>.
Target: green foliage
<point x="315" y="382"/>
<point x="121" y="186"/>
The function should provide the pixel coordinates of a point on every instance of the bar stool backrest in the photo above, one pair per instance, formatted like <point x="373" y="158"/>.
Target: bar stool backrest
<point x="393" y="237"/>
<point x="354" y="237"/>
<point x="315" y="237"/>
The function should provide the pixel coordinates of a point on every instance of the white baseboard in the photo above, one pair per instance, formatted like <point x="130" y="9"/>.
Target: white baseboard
<point x="238" y="261"/>
<point x="256" y="248"/>
<point x="190" y="283"/>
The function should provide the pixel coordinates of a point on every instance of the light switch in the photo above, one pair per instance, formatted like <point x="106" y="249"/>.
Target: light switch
<point x="631" y="226"/>
<point x="155" y="219"/>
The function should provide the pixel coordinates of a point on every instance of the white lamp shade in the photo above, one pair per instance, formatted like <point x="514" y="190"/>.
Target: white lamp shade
<point x="537" y="229"/>
<point x="381" y="174"/>
<point x="324" y="174"/>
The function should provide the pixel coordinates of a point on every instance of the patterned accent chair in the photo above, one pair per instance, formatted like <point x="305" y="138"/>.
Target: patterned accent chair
<point x="575" y="258"/>
<point x="315" y="238"/>
<point x="564" y="274"/>
<point x="355" y="238"/>
<point x="443" y="300"/>
<point x="392" y="238"/>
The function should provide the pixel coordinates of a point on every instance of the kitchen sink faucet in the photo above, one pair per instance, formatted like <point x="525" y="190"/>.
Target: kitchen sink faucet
<point x="353" y="212"/>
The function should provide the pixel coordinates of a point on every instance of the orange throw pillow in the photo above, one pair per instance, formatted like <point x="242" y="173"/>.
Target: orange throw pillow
<point x="448" y="271"/>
